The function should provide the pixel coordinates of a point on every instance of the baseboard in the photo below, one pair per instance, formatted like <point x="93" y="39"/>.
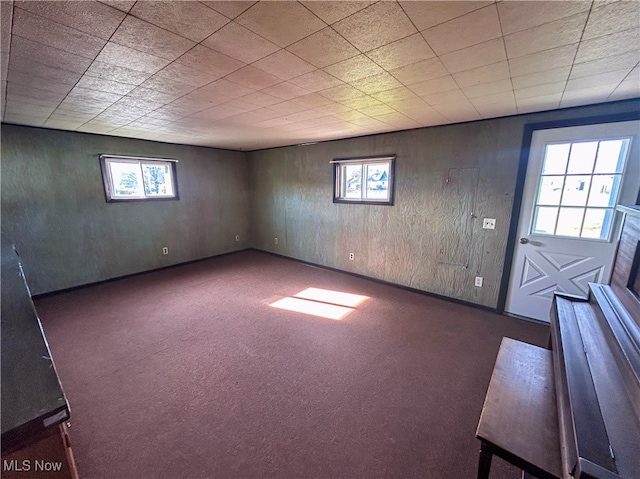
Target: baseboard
<point x="381" y="281"/>
<point x="118" y="278"/>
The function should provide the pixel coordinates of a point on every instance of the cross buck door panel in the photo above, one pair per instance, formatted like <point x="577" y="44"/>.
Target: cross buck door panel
<point x="568" y="226"/>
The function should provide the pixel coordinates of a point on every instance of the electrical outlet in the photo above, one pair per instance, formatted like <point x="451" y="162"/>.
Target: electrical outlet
<point x="351" y="256"/>
<point x="479" y="281"/>
<point x="275" y="240"/>
<point x="489" y="223"/>
<point x="165" y="250"/>
<point x="237" y="237"/>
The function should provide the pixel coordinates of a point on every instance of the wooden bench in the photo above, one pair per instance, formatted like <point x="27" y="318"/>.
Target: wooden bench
<point x="519" y="420"/>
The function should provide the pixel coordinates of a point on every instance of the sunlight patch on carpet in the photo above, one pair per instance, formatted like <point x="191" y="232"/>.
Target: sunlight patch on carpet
<point x="321" y="302"/>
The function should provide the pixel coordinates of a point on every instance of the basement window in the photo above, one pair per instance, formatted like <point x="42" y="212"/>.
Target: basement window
<point x="364" y="180"/>
<point x="128" y="178"/>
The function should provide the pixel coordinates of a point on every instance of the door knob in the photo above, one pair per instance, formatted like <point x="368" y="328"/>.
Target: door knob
<point x="524" y="240"/>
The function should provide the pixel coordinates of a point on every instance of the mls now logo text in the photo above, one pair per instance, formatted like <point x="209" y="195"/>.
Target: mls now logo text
<point x="28" y="466"/>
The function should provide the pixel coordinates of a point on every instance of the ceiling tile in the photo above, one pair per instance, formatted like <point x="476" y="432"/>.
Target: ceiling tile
<point x="361" y="102"/>
<point x="42" y="71"/>
<point x="186" y="18"/>
<point x="495" y="110"/>
<point x="447" y="97"/>
<point x="166" y="85"/>
<point x="31" y="120"/>
<point x="53" y="34"/>
<point x="283" y="23"/>
<point x="101" y="84"/>
<point x="600" y="79"/>
<point x="608" y="45"/>
<point x="147" y="38"/>
<point x="421" y="71"/>
<point x="612" y="18"/>
<point x="594" y="94"/>
<point x="62" y="124"/>
<point x="93" y="18"/>
<point x="354" y="69"/>
<point x="478" y="26"/>
<point x="22" y="47"/>
<point x="284" y="65"/>
<point x="429" y="14"/>
<point x="518" y="16"/>
<point x="544" y="37"/>
<point x="617" y="62"/>
<point x="240" y="104"/>
<point x="395" y="95"/>
<point x="333" y="108"/>
<point x="459" y="111"/>
<point x="540" y="90"/>
<point x="209" y="61"/>
<point x="287" y="107"/>
<point x="261" y="99"/>
<point x="132" y="59"/>
<point x="6" y="18"/>
<point x="333" y="11"/>
<point x="230" y="9"/>
<point x="239" y="43"/>
<point x="476" y="56"/>
<point x="341" y="93"/>
<point x="437" y="85"/>
<point x="485" y="74"/>
<point x="253" y="78"/>
<point x="376" y="83"/>
<point x="177" y="72"/>
<point x="316" y="81"/>
<point x="92" y="97"/>
<point x="285" y="91"/>
<point x="142" y="93"/>
<point x="323" y="48"/>
<point x="549" y="59"/>
<point x="122" y="5"/>
<point x="228" y="89"/>
<point x="501" y="97"/>
<point x="411" y="49"/>
<point x="540" y="78"/>
<point x="488" y="88"/>
<point x="312" y="100"/>
<point x="377" y="25"/>
<point x="117" y="73"/>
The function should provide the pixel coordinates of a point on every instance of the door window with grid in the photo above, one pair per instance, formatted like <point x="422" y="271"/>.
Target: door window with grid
<point x="579" y="188"/>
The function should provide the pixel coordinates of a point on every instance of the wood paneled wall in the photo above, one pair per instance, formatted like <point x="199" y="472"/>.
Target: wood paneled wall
<point x="432" y="238"/>
<point x="54" y="208"/>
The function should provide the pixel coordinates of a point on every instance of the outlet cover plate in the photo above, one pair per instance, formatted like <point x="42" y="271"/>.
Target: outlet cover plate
<point x="479" y="281"/>
<point x="489" y="223"/>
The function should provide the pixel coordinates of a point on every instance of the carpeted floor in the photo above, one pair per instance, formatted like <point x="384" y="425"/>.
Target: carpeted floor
<point x="189" y="373"/>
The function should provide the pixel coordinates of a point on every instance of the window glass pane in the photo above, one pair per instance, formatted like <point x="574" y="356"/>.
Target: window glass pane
<point x="582" y="157"/>
<point x="610" y="157"/>
<point x="157" y="179"/>
<point x="604" y="189"/>
<point x="576" y="190"/>
<point x="126" y="179"/>
<point x="594" y="221"/>
<point x="555" y="159"/>
<point x="545" y="220"/>
<point x="377" y="181"/>
<point x="352" y="181"/>
<point x="550" y="190"/>
<point x="569" y="221"/>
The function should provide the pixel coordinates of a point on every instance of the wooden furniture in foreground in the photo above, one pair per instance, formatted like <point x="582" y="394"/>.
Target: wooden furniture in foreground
<point x="33" y="405"/>
<point x="590" y="388"/>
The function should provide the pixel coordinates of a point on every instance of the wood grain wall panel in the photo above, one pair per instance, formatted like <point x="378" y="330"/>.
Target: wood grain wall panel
<point x="54" y="208"/>
<point x="401" y="243"/>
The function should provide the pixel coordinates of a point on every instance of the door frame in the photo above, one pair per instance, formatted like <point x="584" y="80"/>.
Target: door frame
<point x="529" y="129"/>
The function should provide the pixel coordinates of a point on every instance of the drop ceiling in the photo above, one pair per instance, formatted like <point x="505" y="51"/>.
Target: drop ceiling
<point x="249" y="75"/>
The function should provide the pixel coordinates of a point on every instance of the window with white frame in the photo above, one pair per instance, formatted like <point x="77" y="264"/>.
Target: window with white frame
<point x="579" y="188"/>
<point x="132" y="178"/>
<point x="364" y="180"/>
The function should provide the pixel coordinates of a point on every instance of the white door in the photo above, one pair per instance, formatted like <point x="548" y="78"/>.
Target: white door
<point x="568" y="227"/>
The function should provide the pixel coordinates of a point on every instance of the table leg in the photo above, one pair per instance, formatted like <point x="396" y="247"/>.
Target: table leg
<point x="484" y="462"/>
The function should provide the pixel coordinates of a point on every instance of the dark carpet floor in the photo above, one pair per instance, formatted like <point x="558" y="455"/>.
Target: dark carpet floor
<point x="189" y="373"/>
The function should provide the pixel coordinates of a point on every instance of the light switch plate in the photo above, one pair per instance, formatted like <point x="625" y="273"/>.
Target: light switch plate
<point x="489" y="223"/>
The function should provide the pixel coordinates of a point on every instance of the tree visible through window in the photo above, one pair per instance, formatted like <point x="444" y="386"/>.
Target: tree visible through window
<point x="129" y="178"/>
